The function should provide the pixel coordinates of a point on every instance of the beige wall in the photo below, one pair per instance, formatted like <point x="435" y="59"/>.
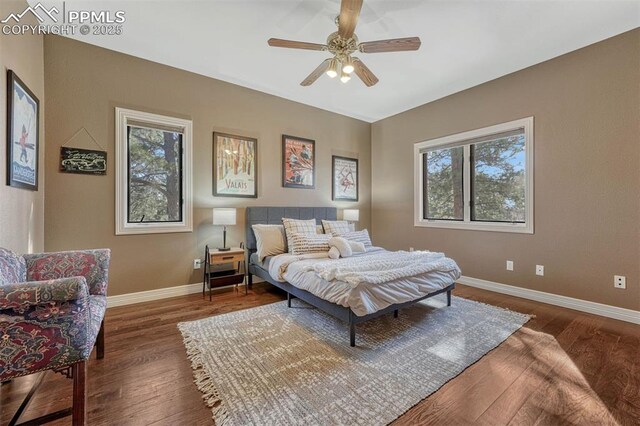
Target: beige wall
<point x="21" y="211"/>
<point x="85" y="83"/>
<point x="586" y="106"/>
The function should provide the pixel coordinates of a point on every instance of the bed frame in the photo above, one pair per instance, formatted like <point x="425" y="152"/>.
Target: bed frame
<point x="274" y="215"/>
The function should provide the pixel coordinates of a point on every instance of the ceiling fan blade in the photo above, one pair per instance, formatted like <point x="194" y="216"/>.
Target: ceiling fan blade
<point x="392" y="45"/>
<point x="278" y="42"/>
<point x="365" y="74"/>
<point x="315" y="74"/>
<point x="348" y="19"/>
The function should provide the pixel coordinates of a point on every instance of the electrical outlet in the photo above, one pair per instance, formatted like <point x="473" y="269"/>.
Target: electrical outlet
<point x="619" y="281"/>
<point x="197" y="263"/>
<point x="509" y="265"/>
<point x="540" y="270"/>
<point x="410" y="248"/>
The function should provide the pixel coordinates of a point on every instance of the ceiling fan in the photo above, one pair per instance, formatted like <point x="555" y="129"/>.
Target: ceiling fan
<point x="343" y="44"/>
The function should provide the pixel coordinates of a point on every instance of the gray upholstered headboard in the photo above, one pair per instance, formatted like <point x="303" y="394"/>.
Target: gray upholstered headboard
<point x="274" y="215"/>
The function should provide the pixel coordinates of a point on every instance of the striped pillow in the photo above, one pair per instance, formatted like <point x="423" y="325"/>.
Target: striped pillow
<point x="297" y="226"/>
<point x="359" y="236"/>
<point x="337" y="227"/>
<point x="309" y="243"/>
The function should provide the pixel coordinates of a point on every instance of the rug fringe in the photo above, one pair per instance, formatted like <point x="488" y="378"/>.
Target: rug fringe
<point x="204" y="382"/>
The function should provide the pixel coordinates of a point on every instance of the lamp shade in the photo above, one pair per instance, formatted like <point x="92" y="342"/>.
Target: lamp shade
<point x="352" y="215"/>
<point x="224" y="216"/>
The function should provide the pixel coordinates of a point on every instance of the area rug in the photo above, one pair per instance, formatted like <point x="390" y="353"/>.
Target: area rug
<point x="274" y="365"/>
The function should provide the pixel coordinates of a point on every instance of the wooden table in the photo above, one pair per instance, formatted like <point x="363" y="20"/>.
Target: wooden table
<point x="219" y="278"/>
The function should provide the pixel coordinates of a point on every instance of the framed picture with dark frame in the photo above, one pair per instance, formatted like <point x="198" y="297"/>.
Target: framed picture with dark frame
<point x="298" y="162"/>
<point x="83" y="161"/>
<point x="235" y="166"/>
<point x="23" y="116"/>
<point x="344" y="177"/>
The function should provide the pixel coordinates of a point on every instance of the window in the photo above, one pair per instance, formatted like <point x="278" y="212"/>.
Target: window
<point x="444" y="197"/>
<point x="482" y="179"/>
<point x="153" y="173"/>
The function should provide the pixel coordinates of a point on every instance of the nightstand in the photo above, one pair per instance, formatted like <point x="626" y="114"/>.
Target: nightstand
<point x="223" y="268"/>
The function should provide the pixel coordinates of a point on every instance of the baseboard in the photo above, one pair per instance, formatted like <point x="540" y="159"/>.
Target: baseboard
<point x="608" y="311"/>
<point x="149" y="295"/>
<point x="161" y="293"/>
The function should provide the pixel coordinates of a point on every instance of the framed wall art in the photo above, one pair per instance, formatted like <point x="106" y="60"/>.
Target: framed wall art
<point x="298" y="162"/>
<point x="235" y="166"/>
<point x="23" y="113"/>
<point x="83" y="161"/>
<point x="344" y="175"/>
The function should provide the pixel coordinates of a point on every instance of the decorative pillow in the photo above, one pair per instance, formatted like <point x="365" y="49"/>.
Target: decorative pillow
<point x="334" y="253"/>
<point x="337" y="227"/>
<point x="309" y="243"/>
<point x="297" y="226"/>
<point x="359" y="236"/>
<point x="270" y="240"/>
<point x="357" y="247"/>
<point x="342" y="245"/>
<point x="13" y="268"/>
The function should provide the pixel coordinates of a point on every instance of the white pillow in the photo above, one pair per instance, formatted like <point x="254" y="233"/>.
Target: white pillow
<point x="309" y="243"/>
<point x="297" y="226"/>
<point x="359" y="236"/>
<point x="334" y="253"/>
<point x="357" y="247"/>
<point x="342" y="245"/>
<point x="337" y="227"/>
<point x="270" y="240"/>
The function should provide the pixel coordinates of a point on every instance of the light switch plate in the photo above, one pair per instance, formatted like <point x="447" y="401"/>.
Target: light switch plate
<point x="540" y="270"/>
<point x="509" y="265"/>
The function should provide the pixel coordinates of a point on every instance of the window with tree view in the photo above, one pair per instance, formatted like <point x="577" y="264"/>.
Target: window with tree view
<point x="155" y="175"/>
<point x="498" y="179"/>
<point x="443" y="184"/>
<point x="481" y="179"/>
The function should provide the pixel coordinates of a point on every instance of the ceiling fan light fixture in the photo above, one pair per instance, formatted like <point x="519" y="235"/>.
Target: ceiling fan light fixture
<point x="332" y="72"/>
<point x="347" y="67"/>
<point x="344" y="43"/>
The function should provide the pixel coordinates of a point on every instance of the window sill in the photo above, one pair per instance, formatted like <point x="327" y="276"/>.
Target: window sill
<point x="519" y="228"/>
<point x="140" y="229"/>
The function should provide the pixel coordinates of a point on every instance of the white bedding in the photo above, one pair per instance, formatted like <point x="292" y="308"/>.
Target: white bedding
<point x="305" y="271"/>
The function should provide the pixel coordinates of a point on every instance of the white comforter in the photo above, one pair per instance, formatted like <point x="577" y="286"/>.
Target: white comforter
<point x="370" y="281"/>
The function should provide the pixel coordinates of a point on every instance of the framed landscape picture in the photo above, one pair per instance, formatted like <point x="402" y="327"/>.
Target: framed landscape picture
<point x="23" y="112"/>
<point x="344" y="174"/>
<point x="298" y="162"/>
<point x="235" y="166"/>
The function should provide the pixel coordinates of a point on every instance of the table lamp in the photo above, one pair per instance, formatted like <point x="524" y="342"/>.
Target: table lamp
<point x="224" y="217"/>
<point x="351" y="215"/>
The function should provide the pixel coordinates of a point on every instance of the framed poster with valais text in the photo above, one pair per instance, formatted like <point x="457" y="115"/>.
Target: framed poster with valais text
<point x="235" y="168"/>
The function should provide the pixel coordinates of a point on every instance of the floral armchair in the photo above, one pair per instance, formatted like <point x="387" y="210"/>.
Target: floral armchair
<point x="52" y="307"/>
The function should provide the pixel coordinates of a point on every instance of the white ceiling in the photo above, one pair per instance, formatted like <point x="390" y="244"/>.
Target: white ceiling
<point x="464" y="43"/>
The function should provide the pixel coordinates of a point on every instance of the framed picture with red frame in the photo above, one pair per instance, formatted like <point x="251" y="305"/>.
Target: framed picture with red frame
<point x="298" y="162"/>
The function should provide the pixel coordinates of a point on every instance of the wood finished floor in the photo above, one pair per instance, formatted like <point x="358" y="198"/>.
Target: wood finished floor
<point x="562" y="367"/>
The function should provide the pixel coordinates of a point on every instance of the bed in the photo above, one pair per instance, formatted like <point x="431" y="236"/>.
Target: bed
<point x="325" y="299"/>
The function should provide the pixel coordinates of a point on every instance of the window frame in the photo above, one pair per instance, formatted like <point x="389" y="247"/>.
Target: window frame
<point x="124" y="119"/>
<point x="465" y="139"/>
